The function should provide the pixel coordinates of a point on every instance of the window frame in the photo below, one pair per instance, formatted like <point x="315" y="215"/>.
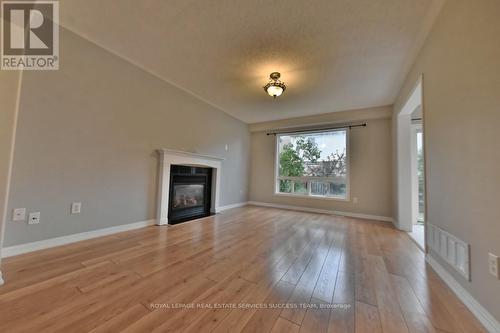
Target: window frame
<point x="277" y="177"/>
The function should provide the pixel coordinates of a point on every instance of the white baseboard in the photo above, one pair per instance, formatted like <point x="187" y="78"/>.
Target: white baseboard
<point x="52" y="242"/>
<point x="484" y="317"/>
<point x="236" y="205"/>
<point x="322" y="211"/>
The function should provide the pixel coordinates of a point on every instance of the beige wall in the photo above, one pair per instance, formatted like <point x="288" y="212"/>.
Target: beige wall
<point x="88" y="133"/>
<point x="9" y="86"/>
<point x="460" y="62"/>
<point x="370" y="175"/>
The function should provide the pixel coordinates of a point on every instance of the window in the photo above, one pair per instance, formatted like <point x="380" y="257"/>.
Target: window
<point x="313" y="164"/>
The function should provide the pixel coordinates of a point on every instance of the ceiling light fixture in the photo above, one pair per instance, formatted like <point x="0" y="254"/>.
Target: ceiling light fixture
<point x="275" y="87"/>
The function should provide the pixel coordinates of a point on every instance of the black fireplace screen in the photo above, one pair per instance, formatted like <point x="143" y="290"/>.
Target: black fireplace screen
<point x="190" y="195"/>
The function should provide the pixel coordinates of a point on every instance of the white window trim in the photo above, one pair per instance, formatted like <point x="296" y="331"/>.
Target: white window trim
<point x="347" y="197"/>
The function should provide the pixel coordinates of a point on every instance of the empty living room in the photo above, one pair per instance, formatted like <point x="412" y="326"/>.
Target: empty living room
<point x="250" y="166"/>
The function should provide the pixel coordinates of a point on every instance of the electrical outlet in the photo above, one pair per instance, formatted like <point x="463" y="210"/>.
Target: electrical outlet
<point x="226" y="147"/>
<point x="76" y="208"/>
<point x="493" y="264"/>
<point x="355" y="200"/>
<point x="19" y="214"/>
<point x="34" y="218"/>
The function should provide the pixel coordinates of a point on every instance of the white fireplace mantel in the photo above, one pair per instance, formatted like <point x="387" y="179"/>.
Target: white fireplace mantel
<point x="169" y="157"/>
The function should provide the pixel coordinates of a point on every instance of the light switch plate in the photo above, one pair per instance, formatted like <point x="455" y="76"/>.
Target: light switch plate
<point x="76" y="208"/>
<point x="34" y="218"/>
<point x="19" y="214"/>
<point x="493" y="264"/>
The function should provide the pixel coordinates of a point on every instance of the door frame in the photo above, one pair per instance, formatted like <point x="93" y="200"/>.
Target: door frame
<point x="405" y="165"/>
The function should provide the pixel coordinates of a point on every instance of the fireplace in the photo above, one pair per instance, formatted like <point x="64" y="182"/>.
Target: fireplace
<point x="190" y="193"/>
<point x="177" y="158"/>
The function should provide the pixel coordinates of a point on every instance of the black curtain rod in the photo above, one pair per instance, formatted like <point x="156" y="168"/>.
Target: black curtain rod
<point x="318" y="129"/>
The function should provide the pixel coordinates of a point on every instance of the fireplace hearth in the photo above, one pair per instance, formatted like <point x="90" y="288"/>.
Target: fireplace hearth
<point x="190" y="193"/>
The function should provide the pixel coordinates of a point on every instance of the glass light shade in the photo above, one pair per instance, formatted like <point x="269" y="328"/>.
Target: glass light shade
<point x="275" y="87"/>
<point x="274" y="90"/>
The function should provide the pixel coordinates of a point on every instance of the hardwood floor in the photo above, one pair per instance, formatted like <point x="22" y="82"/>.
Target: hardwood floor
<point x="335" y="274"/>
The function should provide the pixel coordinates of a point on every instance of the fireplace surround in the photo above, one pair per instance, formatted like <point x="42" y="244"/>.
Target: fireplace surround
<point x="169" y="157"/>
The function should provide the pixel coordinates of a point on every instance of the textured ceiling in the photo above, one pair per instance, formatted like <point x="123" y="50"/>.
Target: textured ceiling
<point x="333" y="54"/>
